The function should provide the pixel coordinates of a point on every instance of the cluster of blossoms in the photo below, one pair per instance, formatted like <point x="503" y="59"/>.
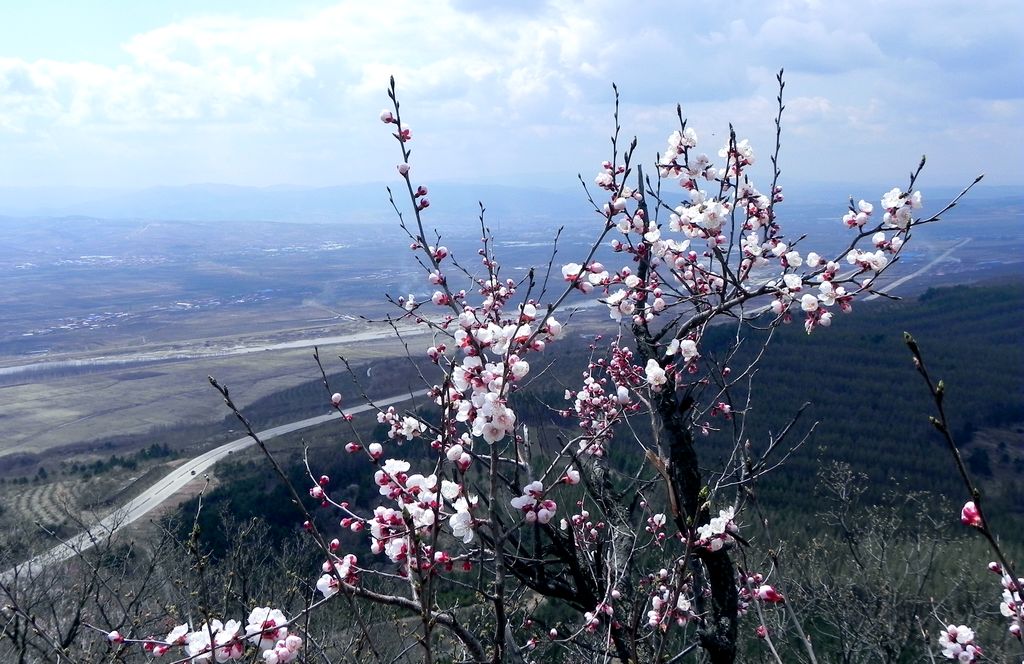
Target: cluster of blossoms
<point x="957" y="642"/>
<point x="719" y="531"/>
<point x="534" y="506"/>
<point x="421" y="502"/>
<point x="656" y="375"/>
<point x="403" y="134"/>
<point x="899" y="207"/>
<point x="748" y="583"/>
<point x="592" y="619"/>
<point x="338" y="570"/>
<point x="699" y="276"/>
<point x="400" y="428"/>
<point x="493" y="346"/>
<point x="669" y="605"/>
<point x="482" y="362"/>
<point x="1011" y="606"/>
<point x="604" y="398"/>
<point x="753" y="588"/>
<point x="679" y="144"/>
<point x="585" y="530"/>
<point x="217" y="641"/>
<point x="673" y="605"/>
<point x="656" y="526"/>
<point x="664" y="375"/>
<point x="420" y="499"/>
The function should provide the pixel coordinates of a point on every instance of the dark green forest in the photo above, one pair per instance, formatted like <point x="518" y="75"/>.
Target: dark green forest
<point x="870" y="405"/>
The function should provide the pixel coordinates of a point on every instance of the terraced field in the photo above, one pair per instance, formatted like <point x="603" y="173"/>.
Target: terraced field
<point x="57" y="504"/>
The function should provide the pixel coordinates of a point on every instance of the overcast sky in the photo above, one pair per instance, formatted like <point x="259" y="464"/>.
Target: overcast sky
<point x="265" y="92"/>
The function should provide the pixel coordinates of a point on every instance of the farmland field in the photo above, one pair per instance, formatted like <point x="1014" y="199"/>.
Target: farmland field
<point x="112" y="327"/>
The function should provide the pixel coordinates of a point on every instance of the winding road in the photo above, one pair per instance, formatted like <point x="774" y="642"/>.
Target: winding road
<point x="913" y="275"/>
<point x="173" y="482"/>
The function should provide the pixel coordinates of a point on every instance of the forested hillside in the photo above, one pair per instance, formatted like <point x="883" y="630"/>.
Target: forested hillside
<point x="869" y="403"/>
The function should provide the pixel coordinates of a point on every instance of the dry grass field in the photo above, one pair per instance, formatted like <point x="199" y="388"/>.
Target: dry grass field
<point x="45" y="411"/>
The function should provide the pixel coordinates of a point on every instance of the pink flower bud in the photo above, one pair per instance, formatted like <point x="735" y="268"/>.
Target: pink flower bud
<point x="115" y="637"/>
<point x="387" y="117"/>
<point x="336" y="399"/>
<point x="403" y="169"/>
<point x="969" y="515"/>
<point x="762" y="632"/>
<point x="769" y="594"/>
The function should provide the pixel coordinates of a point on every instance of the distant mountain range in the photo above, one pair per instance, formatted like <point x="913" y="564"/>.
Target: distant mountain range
<point x="361" y="204"/>
<point x="364" y="203"/>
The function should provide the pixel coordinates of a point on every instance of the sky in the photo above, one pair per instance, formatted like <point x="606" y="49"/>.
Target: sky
<point x="126" y="94"/>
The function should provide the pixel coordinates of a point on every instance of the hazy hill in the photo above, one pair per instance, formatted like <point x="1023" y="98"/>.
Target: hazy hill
<point x="366" y="203"/>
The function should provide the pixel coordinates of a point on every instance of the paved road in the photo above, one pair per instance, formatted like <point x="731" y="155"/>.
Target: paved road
<point x="938" y="259"/>
<point x="170" y="484"/>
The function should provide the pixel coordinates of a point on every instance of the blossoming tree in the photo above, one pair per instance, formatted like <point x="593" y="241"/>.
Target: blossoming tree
<point x="639" y="545"/>
<point x="642" y="558"/>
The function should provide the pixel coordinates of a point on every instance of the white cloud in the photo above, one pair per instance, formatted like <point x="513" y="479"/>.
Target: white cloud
<point x="809" y="45"/>
<point x="513" y="82"/>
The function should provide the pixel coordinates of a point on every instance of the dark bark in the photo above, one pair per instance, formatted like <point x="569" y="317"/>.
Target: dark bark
<point x="718" y="636"/>
<point x="716" y="595"/>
